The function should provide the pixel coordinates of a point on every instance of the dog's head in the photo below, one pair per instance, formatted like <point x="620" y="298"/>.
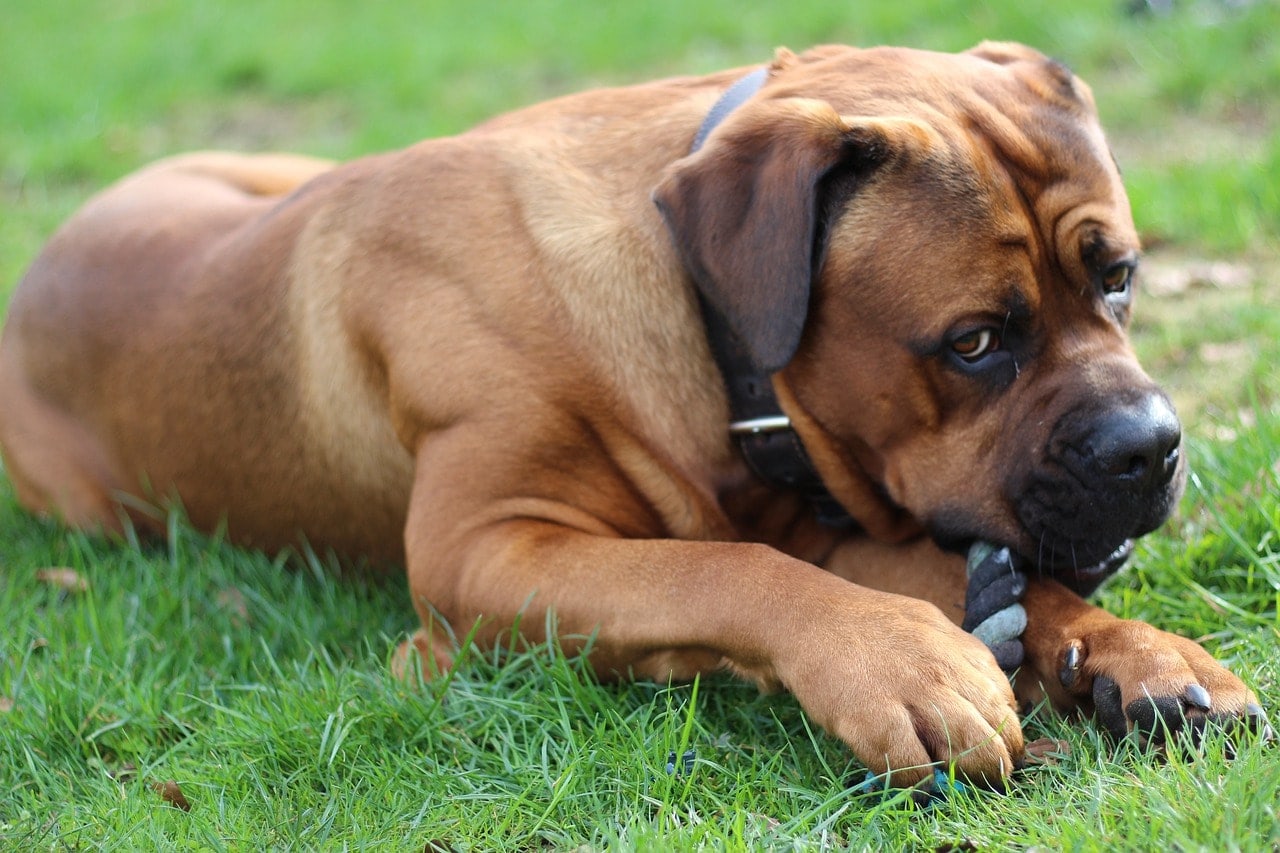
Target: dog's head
<point x="935" y="254"/>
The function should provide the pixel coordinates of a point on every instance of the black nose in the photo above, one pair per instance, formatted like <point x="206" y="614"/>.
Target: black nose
<point x="1135" y="445"/>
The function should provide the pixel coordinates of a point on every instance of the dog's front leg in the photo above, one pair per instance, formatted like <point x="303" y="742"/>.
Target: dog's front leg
<point x="1134" y="676"/>
<point x="891" y="676"/>
<point x="1079" y="657"/>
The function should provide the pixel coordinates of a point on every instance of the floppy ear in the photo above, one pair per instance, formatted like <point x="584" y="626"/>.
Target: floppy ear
<point x="746" y="213"/>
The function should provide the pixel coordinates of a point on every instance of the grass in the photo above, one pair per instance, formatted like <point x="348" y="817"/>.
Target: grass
<point x="262" y="689"/>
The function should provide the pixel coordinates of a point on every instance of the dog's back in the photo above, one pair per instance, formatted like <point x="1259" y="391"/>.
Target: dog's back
<point x="129" y="308"/>
<point x="215" y="295"/>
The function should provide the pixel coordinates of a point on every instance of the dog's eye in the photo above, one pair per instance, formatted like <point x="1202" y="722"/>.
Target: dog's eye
<point x="973" y="346"/>
<point x="1116" y="280"/>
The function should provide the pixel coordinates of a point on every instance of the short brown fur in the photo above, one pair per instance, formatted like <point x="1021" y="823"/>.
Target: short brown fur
<point x="483" y="357"/>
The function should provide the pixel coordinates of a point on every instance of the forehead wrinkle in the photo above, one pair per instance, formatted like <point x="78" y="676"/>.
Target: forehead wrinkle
<point x="1057" y="169"/>
<point x="1008" y="140"/>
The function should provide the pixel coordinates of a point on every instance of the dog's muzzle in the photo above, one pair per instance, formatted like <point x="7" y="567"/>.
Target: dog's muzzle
<point x="1109" y="476"/>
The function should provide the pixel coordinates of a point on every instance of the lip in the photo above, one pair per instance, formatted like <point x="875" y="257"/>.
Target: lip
<point x="1085" y="579"/>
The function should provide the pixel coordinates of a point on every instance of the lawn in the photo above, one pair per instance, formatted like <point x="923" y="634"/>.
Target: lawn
<point x="258" y="686"/>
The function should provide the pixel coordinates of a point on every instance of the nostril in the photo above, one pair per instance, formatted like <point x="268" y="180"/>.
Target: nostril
<point x="1137" y="469"/>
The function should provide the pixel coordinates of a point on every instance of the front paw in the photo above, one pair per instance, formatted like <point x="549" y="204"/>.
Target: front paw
<point x="1153" y="685"/>
<point x="908" y="691"/>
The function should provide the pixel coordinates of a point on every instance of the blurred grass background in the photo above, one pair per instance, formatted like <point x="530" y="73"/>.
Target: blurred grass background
<point x="92" y="88"/>
<point x="263" y="691"/>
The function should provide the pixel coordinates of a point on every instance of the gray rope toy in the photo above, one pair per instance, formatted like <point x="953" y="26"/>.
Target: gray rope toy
<point x="993" y="610"/>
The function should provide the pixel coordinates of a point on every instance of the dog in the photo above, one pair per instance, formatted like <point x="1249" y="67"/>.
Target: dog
<point x="723" y="372"/>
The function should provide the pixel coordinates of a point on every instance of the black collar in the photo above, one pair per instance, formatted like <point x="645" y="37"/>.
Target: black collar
<point x="764" y="434"/>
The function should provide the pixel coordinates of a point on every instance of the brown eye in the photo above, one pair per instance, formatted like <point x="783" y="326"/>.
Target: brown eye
<point x="975" y="345"/>
<point x="1116" y="279"/>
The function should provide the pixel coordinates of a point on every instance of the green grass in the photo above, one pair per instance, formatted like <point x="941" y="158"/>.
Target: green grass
<point x="262" y="689"/>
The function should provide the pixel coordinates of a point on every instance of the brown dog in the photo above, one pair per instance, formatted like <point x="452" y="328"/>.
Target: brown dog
<point x="495" y="359"/>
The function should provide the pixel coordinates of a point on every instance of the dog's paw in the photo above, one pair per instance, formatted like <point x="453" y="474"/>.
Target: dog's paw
<point x="908" y="691"/>
<point x="1153" y="686"/>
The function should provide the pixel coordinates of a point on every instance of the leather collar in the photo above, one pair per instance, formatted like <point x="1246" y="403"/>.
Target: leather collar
<point x="763" y="432"/>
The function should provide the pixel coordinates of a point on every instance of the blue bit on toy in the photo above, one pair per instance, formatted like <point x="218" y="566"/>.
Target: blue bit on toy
<point x="928" y="792"/>
<point x="686" y="762"/>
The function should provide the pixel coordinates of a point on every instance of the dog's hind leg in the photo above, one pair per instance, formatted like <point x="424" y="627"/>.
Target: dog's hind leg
<point x="265" y="175"/>
<point x="57" y="467"/>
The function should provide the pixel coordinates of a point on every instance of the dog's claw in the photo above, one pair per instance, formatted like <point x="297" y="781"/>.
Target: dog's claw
<point x="1257" y="720"/>
<point x="1197" y="697"/>
<point x="1071" y="664"/>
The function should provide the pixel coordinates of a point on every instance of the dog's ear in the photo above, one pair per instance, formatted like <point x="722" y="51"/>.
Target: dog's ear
<point x="747" y="214"/>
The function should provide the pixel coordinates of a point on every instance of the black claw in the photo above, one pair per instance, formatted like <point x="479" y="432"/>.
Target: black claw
<point x="1155" y="721"/>
<point x="1258" y="722"/>
<point x="923" y="798"/>
<point x="1071" y="663"/>
<point x="1197" y="697"/>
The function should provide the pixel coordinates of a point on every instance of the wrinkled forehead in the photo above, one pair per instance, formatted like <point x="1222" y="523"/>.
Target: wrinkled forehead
<point x="982" y="85"/>
<point x="1045" y="176"/>
<point x="1019" y="153"/>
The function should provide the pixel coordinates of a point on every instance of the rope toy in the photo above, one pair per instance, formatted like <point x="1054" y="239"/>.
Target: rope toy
<point x="993" y="610"/>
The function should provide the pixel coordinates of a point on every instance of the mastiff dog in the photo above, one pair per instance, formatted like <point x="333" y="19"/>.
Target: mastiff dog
<point x="721" y="372"/>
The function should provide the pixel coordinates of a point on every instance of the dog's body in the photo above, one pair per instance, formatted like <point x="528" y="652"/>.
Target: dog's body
<point x="486" y="357"/>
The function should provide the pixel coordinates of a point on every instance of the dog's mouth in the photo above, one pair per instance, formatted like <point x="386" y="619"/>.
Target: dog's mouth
<point x="1081" y="576"/>
<point x="1087" y="578"/>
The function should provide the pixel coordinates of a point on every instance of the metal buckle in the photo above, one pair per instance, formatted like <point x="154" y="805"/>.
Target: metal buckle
<point x="760" y="426"/>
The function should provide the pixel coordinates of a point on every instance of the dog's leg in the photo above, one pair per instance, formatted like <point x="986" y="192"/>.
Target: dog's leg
<point x="1078" y="656"/>
<point x="889" y="675"/>
<point x="1133" y="675"/>
<point x="56" y="464"/>
<point x="266" y="175"/>
<point x="917" y="568"/>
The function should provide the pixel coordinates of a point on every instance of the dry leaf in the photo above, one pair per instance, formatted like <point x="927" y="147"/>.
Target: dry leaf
<point x="6" y="704"/>
<point x="770" y="823"/>
<point x="172" y="794"/>
<point x="67" y="580"/>
<point x="1046" y="750"/>
<point x="435" y="845"/>
<point x="1221" y="353"/>
<point x="125" y="773"/>
<point x="232" y="601"/>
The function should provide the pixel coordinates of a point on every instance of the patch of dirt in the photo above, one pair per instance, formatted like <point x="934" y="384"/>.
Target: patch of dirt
<point x="1205" y="330"/>
<point x="249" y="123"/>
<point x="1170" y="274"/>
<point x="1181" y="137"/>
